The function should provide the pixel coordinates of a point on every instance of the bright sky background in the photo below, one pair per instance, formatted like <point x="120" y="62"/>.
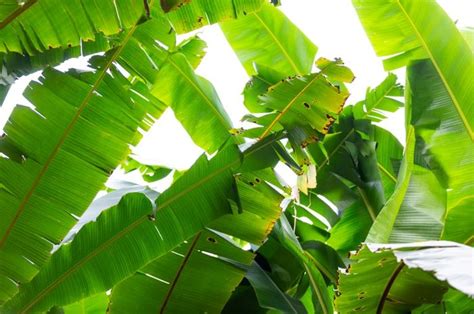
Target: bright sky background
<point x="332" y="25"/>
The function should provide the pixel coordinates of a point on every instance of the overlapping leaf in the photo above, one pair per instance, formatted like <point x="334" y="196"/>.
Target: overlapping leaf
<point x="87" y="125"/>
<point x="391" y="278"/>
<point x="318" y="286"/>
<point x="188" y="279"/>
<point x="190" y="15"/>
<point x="132" y="235"/>
<point x="416" y="209"/>
<point x="445" y="146"/>
<point x="201" y="262"/>
<point x="405" y="30"/>
<point x="40" y="25"/>
<point x="194" y="102"/>
<point x="268" y="38"/>
<point x="308" y="100"/>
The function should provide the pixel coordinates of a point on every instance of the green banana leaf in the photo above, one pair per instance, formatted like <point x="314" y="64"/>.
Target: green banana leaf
<point x="190" y="278"/>
<point x="268" y="38"/>
<point x="383" y="225"/>
<point x="408" y="30"/>
<point x="380" y="100"/>
<point x="15" y="64"/>
<point x="415" y="211"/>
<point x="107" y="152"/>
<point x="191" y="96"/>
<point x="133" y="56"/>
<point x="287" y="238"/>
<point x="87" y="125"/>
<point x="350" y="176"/>
<point x="37" y="26"/>
<point x="7" y="8"/>
<point x="305" y="101"/>
<point x="96" y="304"/>
<point x="211" y="272"/>
<point x="453" y="302"/>
<point x="194" y="14"/>
<point x="446" y="146"/>
<point x="391" y="278"/>
<point x="260" y="208"/>
<point x="196" y="198"/>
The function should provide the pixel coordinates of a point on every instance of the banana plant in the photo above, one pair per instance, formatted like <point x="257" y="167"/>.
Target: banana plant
<point x="229" y="234"/>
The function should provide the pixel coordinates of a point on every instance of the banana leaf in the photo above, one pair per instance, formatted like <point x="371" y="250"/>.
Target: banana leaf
<point x="391" y="278"/>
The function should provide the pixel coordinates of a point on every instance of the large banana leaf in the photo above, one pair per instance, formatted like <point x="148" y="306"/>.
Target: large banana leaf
<point x="390" y="278"/>
<point x="268" y="38"/>
<point x="190" y="278"/>
<point x="172" y="279"/>
<point x="198" y="13"/>
<point x="196" y="198"/>
<point x="36" y="26"/>
<point x="171" y="78"/>
<point x="383" y="225"/>
<point x="416" y="209"/>
<point x="194" y="101"/>
<point x="135" y="56"/>
<point x="86" y="127"/>
<point x="306" y="101"/>
<point x="405" y="30"/>
<point x="40" y="25"/>
<point x="446" y="146"/>
<point x="14" y="65"/>
<point x="108" y="150"/>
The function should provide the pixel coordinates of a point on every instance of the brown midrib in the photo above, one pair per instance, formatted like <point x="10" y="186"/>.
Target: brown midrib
<point x="388" y="286"/>
<point x="179" y="272"/>
<point x="16" y="13"/>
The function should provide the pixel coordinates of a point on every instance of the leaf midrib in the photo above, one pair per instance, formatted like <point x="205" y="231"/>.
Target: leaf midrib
<point x="10" y="18"/>
<point x="179" y="272"/>
<point x="438" y="69"/>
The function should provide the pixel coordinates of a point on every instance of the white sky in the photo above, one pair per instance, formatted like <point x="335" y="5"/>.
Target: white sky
<point x="332" y="25"/>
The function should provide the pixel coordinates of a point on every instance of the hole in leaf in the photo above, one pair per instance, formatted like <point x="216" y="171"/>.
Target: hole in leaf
<point x="212" y="240"/>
